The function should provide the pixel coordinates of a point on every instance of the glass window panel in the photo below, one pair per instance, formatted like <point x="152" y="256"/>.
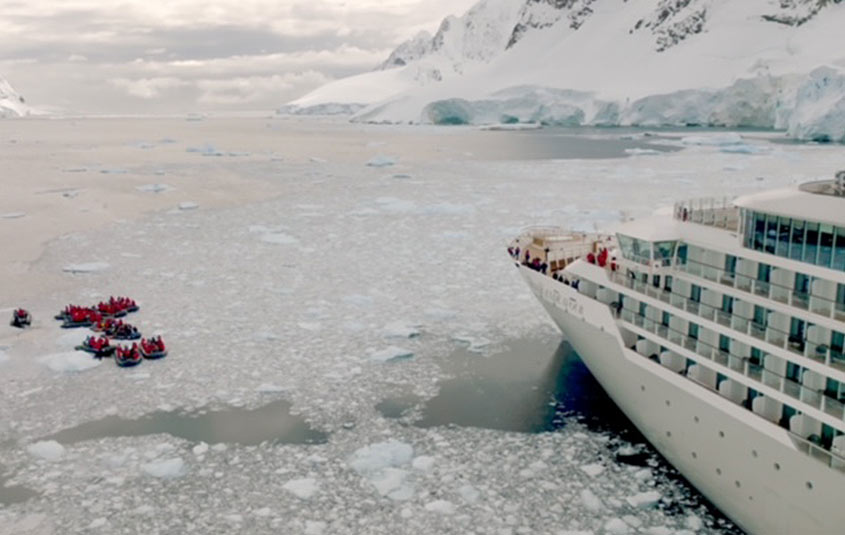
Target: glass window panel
<point x="796" y="249"/>
<point x="759" y="231"/>
<point x="839" y="250"/>
<point x="763" y="272"/>
<point x="811" y="244"/>
<point x="664" y="251"/>
<point x="825" y="245"/>
<point x="771" y="233"/>
<point x="784" y="229"/>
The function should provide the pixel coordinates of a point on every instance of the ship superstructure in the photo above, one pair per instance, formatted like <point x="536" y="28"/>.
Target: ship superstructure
<point x="719" y="329"/>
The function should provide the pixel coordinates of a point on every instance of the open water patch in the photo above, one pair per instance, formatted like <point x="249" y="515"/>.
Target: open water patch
<point x="12" y="494"/>
<point x="532" y="386"/>
<point x="271" y="423"/>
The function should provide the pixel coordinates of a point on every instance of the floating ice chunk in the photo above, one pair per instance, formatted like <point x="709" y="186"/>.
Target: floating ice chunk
<point x="592" y="470"/>
<point x="153" y="188"/>
<point x="642" y="152"/>
<point x="591" y="501"/>
<point x="469" y="493"/>
<point x="98" y="523"/>
<point x="745" y="148"/>
<point x="475" y="344"/>
<point x="12" y="215"/>
<point x="315" y="159"/>
<point x="3" y="357"/>
<point x="165" y="469"/>
<point x="391" y="354"/>
<point x="269" y="388"/>
<point x="381" y="455"/>
<point x="188" y="205"/>
<point x="401" y="176"/>
<point x="75" y="170"/>
<point x="729" y="138"/>
<point x="423" y="463"/>
<point x="397" y="206"/>
<point x="315" y="527"/>
<point x="263" y="512"/>
<point x="302" y="488"/>
<point x="358" y="300"/>
<point x="644" y="500"/>
<point x="400" y="329"/>
<point x="279" y="238"/>
<point x="89" y="267"/>
<point x="392" y="483"/>
<point x="441" y="506"/>
<point x="660" y="530"/>
<point x="206" y="149"/>
<point x="49" y="450"/>
<point x="200" y="449"/>
<point x="616" y="526"/>
<point x="382" y="161"/>
<point x="234" y="518"/>
<point x="643" y="474"/>
<point x="70" y="362"/>
<point x="693" y="522"/>
<point x="116" y="171"/>
<point x="235" y="153"/>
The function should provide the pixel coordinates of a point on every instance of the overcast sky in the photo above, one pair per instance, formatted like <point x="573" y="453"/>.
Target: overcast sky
<point x="175" y="56"/>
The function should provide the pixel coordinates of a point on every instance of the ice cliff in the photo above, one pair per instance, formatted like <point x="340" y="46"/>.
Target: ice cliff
<point x="756" y="63"/>
<point x="11" y="103"/>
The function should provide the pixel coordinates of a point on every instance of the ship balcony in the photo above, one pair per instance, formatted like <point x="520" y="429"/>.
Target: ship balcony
<point x="817" y="304"/>
<point x="769" y="334"/>
<point x="711" y="211"/>
<point x="805" y="440"/>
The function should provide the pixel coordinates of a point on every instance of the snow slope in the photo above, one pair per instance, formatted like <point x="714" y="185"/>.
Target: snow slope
<point x="11" y="103"/>
<point x="757" y="63"/>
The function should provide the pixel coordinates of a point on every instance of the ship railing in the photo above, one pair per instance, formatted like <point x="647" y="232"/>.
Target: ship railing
<point x="711" y="211"/>
<point x="816" y="399"/>
<point x="816" y="351"/>
<point x="556" y="246"/>
<point x="758" y="373"/>
<point x="786" y="295"/>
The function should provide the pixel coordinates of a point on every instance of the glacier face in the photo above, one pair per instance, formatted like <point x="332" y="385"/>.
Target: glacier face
<point x="613" y="62"/>
<point x="11" y="103"/>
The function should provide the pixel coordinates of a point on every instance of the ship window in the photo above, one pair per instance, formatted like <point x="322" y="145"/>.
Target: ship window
<point x="802" y="284"/>
<point x="825" y="245"/>
<point x="730" y="264"/>
<point x="693" y="331"/>
<point x="764" y="271"/>
<point x="664" y="251"/>
<point x="665" y="319"/>
<point x="635" y="250"/>
<point x="682" y="251"/>
<point x="784" y="224"/>
<point x="759" y="231"/>
<point x="724" y="343"/>
<point x="728" y="304"/>
<point x="812" y="243"/>
<point x="796" y="334"/>
<point x="839" y="250"/>
<point x="796" y="248"/>
<point x="771" y="233"/>
<point x="695" y="293"/>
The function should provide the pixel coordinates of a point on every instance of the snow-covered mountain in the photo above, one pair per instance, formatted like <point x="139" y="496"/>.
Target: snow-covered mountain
<point x="757" y="63"/>
<point x="11" y="103"/>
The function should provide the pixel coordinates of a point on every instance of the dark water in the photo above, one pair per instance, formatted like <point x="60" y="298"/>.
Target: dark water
<point x="270" y="423"/>
<point x="14" y="493"/>
<point x="530" y="387"/>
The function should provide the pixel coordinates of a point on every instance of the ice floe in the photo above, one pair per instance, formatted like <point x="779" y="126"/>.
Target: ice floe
<point x="165" y="469"/>
<point x="303" y="488"/>
<point x="381" y="161"/>
<point x="154" y="188"/>
<point x="49" y="450"/>
<point x="391" y="354"/>
<point x="89" y="267"/>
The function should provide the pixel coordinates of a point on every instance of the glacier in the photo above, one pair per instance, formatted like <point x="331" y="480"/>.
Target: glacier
<point x="654" y="63"/>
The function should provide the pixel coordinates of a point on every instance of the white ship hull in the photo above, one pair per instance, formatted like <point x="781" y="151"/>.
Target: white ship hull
<point x="746" y="466"/>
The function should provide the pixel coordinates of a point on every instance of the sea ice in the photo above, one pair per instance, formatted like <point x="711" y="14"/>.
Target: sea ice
<point x="401" y="329"/>
<point x="315" y="527"/>
<point x="12" y="215"/>
<point x="616" y="526"/>
<point x="469" y="493"/>
<point x="206" y="149"/>
<point x="303" y="488"/>
<point x="89" y="267"/>
<point x="423" y="463"/>
<point x="729" y="138"/>
<point x="591" y="501"/>
<point x="279" y="238"/>
<point x="391" y="354"/>
<point x="188" y="205"/>
<point x="166" y="469"/>
<point x="592" y="470"/>
<point x="381" y="455"/>
<point x="70" y="362"/>
<point x="642" y="152"/>
<point x="644" y="500"/>
<point x="49" y="450"/>
<point x="154" y="188"/>
<point x="441" y="506"/>
<point x="381" y="161"/>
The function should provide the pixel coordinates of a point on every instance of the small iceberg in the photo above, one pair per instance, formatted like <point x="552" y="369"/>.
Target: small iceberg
<point x="391" y="354"/>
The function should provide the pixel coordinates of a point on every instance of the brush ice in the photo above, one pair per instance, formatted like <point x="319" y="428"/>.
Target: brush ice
<point x="70" y="362"/>
<point x="165" y="469"/>
<point x="49" y="450"/>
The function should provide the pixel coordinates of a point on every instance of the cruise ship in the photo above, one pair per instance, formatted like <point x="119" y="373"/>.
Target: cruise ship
<point x="718" y="328"/>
